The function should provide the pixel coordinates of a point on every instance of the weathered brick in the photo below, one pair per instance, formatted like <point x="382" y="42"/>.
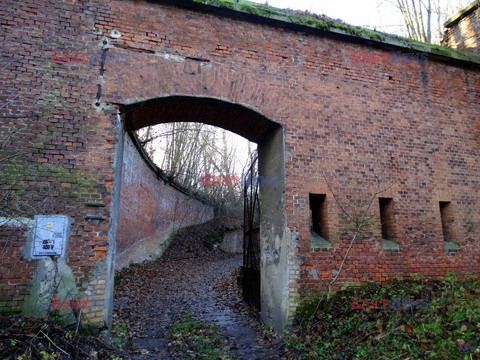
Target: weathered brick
<point x="463" y="30"/>
<point x="418" y="124"/>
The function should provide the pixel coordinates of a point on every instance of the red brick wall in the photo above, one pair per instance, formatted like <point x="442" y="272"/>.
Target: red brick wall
<point x="16" y="275"/>
<point x="417" y="123"/>
<point x="64" y="148"/>
<point x="150" y="210"/>
<point x="465" y="33"/>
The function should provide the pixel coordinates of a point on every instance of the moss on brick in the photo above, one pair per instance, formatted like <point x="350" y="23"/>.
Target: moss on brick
<point x="21" y="172"/>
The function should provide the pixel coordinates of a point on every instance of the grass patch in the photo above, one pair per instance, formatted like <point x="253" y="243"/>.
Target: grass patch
<point x="449" y="328"/>
<point x="193" y="339"/>
<point x="119" y="333"/>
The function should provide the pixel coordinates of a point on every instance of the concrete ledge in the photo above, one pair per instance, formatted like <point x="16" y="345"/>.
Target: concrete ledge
<point x="318" y="242"/>
<point x="390" y="245"/>
<point x="450" y="246"/>
<point x="462" y="13"/>
<point x="351" y="286"/>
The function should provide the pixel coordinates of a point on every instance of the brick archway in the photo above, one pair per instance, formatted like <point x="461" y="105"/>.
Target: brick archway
<point x="341" y="120"/>
<point x="252" y="125"/>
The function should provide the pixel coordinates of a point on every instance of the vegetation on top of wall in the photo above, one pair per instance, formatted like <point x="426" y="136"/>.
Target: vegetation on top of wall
<point x="337" y="26"/>
<point x="435" y="49"/>
<point x="293" y="16"/>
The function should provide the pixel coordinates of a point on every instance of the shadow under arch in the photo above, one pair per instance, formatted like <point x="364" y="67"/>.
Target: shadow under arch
<point x="269" y="136"/>
<point x="181" y="108"/>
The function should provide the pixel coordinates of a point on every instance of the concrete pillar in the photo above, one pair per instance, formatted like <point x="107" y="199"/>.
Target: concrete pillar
<point x="273" y="239"/>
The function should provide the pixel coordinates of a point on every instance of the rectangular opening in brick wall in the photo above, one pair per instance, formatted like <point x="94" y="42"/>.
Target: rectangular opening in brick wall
<point x="387" y="220"/>
<point x="318" y="221"/>
<point x="446" y="215"/>
<point x="447" y="220"/>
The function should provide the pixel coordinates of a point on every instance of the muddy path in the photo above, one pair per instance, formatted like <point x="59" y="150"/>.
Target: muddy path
<point x="189" y="280"/>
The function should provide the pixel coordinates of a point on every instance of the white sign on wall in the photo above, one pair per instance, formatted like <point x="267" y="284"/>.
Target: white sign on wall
<point x="50" y="235"/>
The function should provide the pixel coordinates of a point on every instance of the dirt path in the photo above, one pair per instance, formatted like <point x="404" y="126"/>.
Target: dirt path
<point x="189" y="279"/>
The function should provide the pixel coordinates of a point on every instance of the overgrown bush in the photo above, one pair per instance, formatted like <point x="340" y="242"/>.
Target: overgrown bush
<point x="448" y="329"/>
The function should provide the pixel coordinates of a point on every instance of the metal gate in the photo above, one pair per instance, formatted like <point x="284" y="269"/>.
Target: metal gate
<point x="251" y="238"/>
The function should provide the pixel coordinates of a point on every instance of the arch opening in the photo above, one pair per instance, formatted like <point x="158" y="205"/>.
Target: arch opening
<point x="269" y="137"/>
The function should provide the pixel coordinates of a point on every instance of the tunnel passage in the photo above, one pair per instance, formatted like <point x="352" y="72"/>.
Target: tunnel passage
<point x="269" y="136"/>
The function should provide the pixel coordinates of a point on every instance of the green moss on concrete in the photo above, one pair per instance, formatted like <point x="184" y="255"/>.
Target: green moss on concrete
<point x="260" y="10"/>
<point x="433" y="49"/>
<point x="295" y="17"/>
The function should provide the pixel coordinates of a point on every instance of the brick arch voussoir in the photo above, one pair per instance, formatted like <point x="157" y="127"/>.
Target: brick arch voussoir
<point x="245" y="105"/>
